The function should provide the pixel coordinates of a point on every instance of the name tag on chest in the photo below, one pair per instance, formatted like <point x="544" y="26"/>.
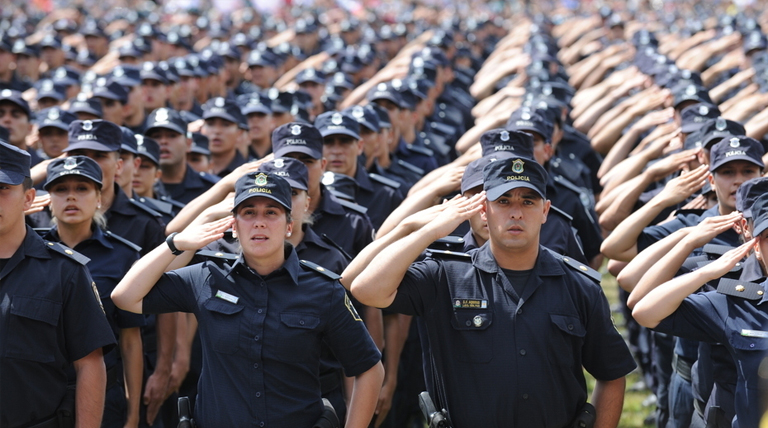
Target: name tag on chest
<point x="226" y="296"/>
<point x="470" y="303"/>
<point x="754" y="333"/>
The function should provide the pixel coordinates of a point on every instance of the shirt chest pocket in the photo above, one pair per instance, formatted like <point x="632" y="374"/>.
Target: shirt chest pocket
<point x="750" y="350"/>
<point x="223" y="325"/>
<point x="32" y="329"/>
<point x="297" y="337"/>
<point x="567" y="333"/>
<point x="472" y="340"/>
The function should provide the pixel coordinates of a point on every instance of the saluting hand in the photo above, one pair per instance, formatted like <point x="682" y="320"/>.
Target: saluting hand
<point x="727" y="261"/>
<point x="40" y="202"/>
<point x="197" y="236"/>
<point x="454" y="212"/>
<point x="710" y="227"/>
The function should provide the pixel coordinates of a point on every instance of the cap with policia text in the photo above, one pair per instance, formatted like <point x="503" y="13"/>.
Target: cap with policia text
<point x="263" y="184"/>
<point x="222" y="108"/>
<point x="730" y="149"/>
<point x="292" y="170"/>
<point x="54" y="117"/>
<point x="473" y="173"/>
<point x="694" y="116"/>
<point x="166" y="118"/>
<point x="529" y="121"/>
<point x="15" y="97"/>
<point x="14" y="164"/>
<point x="518" y="143"/>
<point x="295" y="137"/>
<point x="506" y="174"/>
<point x="81" y="166"/>
<point x="100" y="135"/>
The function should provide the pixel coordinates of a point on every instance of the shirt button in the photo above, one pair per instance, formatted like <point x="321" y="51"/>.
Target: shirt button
<point x="256" y="338"/>
<point x="256" y="365"/>
<point x="301" y="322"/>
<point x="751" y="345"/>
<point x="260" y="310"/>
<point x="468" y="323"/>
<point x="261" y="424"/>
<point x="258" y="394"/>
<point x="522" y="352"/>
<point x="519" y="311"/>
<point x="263" y="284"/>
<point x="570" y="326"/>
<point x="525" y="396"/>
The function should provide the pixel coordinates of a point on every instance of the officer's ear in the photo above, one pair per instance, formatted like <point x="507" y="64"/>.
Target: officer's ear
<point x="29" y="197"/>
<point x="547" y="204"/>
<point x="483" y="211"/>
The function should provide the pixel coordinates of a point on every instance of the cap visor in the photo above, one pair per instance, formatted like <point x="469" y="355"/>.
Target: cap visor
<point x="245" y="196"/>
<point x="89" y="145"/>
<point x="64" y="174"/>
<point x="168" y="125"/>
<point x="687" y="128"/>
<point x="724" y="161"/>
<point x="497" y="192"/>
<point x="12" y="178"/>
<point x="760" y="226"/>
<point x="210" y="115"/>
<point x="297" y="149"/>
<point x="347" y="132"/>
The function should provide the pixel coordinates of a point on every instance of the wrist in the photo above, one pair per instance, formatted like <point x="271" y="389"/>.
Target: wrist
<point x="171" y="246"/>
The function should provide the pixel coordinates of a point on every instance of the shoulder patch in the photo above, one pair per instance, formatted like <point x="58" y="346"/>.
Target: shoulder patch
<point x="736" y="268"/>
<point x="716" y="250"/>
<point x="319" y="269"/>
<point x="743" y="289"/>
<point x="217" y="255"/>
<point x="446" y="254"/>
<point x="98" y="297"/>
<point x="384" y="180"/>
<point x="449" y="243"/>
<point x="561" y="212"/>
<point x="41" y="230"/>
<point x="162" y="207"/>
<point x="351" y="308"/>
<point x="68" y="252"/>
<point x="697" y="212"/>
<point x="173" y="202"/>
<point x="352" y="206"/>
<point x="582" y="268"/>
<point x="421" y="150"/>
<point x="411" y="167"/>
<point x="333" y="243"/>
<point x="145" y="208"/>
<point x="123" y="240"/>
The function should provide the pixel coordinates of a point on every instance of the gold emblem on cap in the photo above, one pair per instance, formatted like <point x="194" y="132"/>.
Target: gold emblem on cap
<point x="740" y="288"/>
<point x="261" y="179"/>
<point x="517" y="166"/>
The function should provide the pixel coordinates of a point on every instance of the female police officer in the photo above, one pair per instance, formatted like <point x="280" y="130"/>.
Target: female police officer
<point x="261" y="320"/>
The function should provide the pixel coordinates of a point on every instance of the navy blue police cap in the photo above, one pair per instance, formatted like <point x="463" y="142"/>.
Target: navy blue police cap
<point x="310" y="75"/>
<point x="153" y="71"/>
<point x="223" y="108"/>
<point x="473" y="173"/>
<point x="262" y="184"/>
<point x="99" y="135"/>
<point x="81" y="166"/>
<point x="66" y="76"/>
<point x="694" y="116"/>
<point x="149" y="148"/>
<point x="127" y="75"/>
<point x="111" y="90"/>
<point x="296" y="137"/>
<point x="83" y="104"/>
<point x="14" y="164"/>
<point x="384" y="121"/>
<point x="200" y="144"/>
<point x="46" y="88"/>
<point x="518" y="143"/>
<point x="690" y="92"/>
<point x="385" y="91"/>
<point x="54" y="117"/>
<point x="128" y="142"/>
<point x="734" y="148"/>
<point x="15" y="97"/>
<point x="365" y="116"/>
<point x="511" y="173"/>
<point x="340" y="185"/>
<point x="255" y="103"/>
<point x="292" y="170"/>
<point x="166" y="118"/>
<point x="748" y="192"/>
<point x="336" y="123"/>
<point x="760" y="215"/>
<point x="528" y="120"/>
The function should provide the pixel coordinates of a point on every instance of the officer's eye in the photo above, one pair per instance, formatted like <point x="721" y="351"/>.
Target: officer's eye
<point x="294" y="193"/>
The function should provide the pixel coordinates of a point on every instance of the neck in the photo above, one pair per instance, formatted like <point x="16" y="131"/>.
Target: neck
<point x="135" y="119"/>
<point x="723" y="210"/>
<point x="73" y="234"/>
<point x="173" y="174"/>
<point x="221" y="161"/>
<point x="296" y="237"/>
<point x="523" y="259"/>
<point x="12" y="240"/>
<point x="261" y="146"/>
<point x="409" y="135"/>
<point x="108" y="197"/>
<point x="265" y="266"/>
<point x="186" y="105"/>
<point x="480" y="241"/>
<point x="128" y="189"/>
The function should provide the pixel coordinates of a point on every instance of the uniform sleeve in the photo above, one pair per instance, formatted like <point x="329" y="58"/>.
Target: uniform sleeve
<point x="347" y="335"/>
<point x="701" y="317"/>
<point x="86" y="327"/>
<point x="154" y="235"/>
<point x="417" y="290"/>
<point x="176" y="291"/>
<point x="605" y="353"/>
<point x="363" y="233"/>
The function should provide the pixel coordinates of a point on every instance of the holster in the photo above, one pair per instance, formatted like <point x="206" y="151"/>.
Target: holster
<point x="185" y="413"/>
<point x="328" y="419"/>
<point x="435" y="418"/>
<point x="585" y="418"/>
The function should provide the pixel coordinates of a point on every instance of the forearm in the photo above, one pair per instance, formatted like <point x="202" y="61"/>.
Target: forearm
<point x="626" y="170"/>
<point x="604" y="140"/>
<point x="165" y="325"/>
<point x="395" y="341"/>
<point x="129" y="293"/>
<point x="718" y="92"/>
<point x="365" y="394"/>
<point x="621" y="244"/>
<point x="664" y="269"/>
<point x="664" y="300"/>
<point x="89" y="393"/>
<point x="364" y="258"/>
<point x="619" y="151"/>
<point x="642" y="263"/>
<point x="608" y="399"/>
<point x="132" y="352"/>
<point x="592" y="112"/>
<point x="624" y="203"/>
<point x="374" y="322"/>
<point x="189" y="213"/>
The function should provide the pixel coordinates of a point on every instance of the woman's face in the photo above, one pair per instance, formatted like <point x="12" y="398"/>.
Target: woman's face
<point x="74" y="200"/>
<point x="261" y="227"/>
<point x="299" y="205"/>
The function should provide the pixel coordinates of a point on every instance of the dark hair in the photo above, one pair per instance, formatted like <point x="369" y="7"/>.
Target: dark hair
<point x="27" y="183"/>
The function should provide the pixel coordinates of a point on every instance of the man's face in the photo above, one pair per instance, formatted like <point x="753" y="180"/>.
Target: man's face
<point x="233" y="70"/>
<point x="187" y="89"/>
<point x="199" y="162"/>
<point x="222" y="135"/>
<point x="263" y="76"/>
<point x="173" y="146"/>
<point x="14" y="200"/>
<point x="315" y="168"/>
<point x="155" y="94"/>
<point x="27" y="66"/>
<point x="259" y="126"/>
<point x="110" y="163"/>
<point x="136" y="99"/>
<point x="130" y="165"/>
<point x="53" y="57"/>
<point x="728" y="177"/>
<point x="370" y="141"/>
<point x="281" y="118"/>
<point x="314" y="89"/>
<point x="515" y="219"/>
<point x="542" y="151"/>
<point x="16" y="121"/>
<point x="6" y="59"/>
<point x="342" y="152"/>
<point x="112" y="110"/>
<point x="96" y="44"/>
<point x="53" y="141"/>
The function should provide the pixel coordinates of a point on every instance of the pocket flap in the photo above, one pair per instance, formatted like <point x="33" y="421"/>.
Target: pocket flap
<point x="471" y="319"/>
<point x="217" y="305"/>
<point x="46" y="311"/>
<point x="298" y="320"/>
<point x="747" y="342"/>
<point x="569" y="324"/>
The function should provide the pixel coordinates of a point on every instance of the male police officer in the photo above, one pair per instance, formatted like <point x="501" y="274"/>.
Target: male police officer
<point x="511" y="324"/>
<point x="50" y="317"/>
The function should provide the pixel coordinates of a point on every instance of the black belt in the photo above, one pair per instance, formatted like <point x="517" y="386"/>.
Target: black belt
<point x="682" y="366"/>
<point x="330" y="381"/>
<point x="52" y="422"/>
<point x="113" y="377"/>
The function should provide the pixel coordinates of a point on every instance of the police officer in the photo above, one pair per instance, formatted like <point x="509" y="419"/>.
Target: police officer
<point x="50" y="318"/>
<point x="509" y="312"/>
<point x="263" y="372"/>
<point x="222" y="127"/>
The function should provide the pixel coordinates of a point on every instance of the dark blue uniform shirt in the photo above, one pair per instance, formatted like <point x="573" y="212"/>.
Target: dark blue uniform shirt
<point x="509" y="360"/>
<point x="261" y="339"/>
<point x="379" y="198"/>
<point x="129" y="221"/>
<point x="737" y="324"/>
<point x="416" y="156"/>
<point x="653" y="234"/>
<point x="236" y="161"/>
<point x="49" y="318"/>
<point x="194" y="184"/>
<point x="350" y="229"/>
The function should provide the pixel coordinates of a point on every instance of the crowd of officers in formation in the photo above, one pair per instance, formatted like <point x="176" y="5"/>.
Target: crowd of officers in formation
<point x="311" y="218"/>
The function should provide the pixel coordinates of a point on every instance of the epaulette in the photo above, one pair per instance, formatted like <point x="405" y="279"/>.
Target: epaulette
<point x="209" y="177"/>
<point x="319" y="269"/>
<point x="583" y="197"/>
<point x="384" y="180"/>
<point x="692" y="263"/>
<point x="420" y="150"/>
<point x="436" y="142"/>
<point x="696" y="211"/>
<point x="352" y="206"/>
<point x="582" y="268"/>
<point x="333" y="243"/>
<point x="743" y="289"/>
<point x="736" y="268"/>
<point x="123" y="240"/>
<point x="442" y="128"/>
<point x="567" y="170"/>
<point x="217" y="255"/>
<point x="41" y="230"/>
<point x="448" y="243"/>
<point x="145" y="208"/>
<point x="442" y="254"/>
<point x="561" y="212"/>
<point x="172" y="201"/>
<point x="410" y="167"/>
<point x="716" y="250"/>
<point x="160" y="206"/>
<point x="70" y="253"/>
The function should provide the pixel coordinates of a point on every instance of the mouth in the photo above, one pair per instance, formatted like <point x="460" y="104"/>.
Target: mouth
<point x="71" y="209"/>
<point x="259" y="238"/>
<point x="216" y="142"/>
<point x="165" y="154"/>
